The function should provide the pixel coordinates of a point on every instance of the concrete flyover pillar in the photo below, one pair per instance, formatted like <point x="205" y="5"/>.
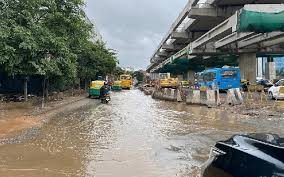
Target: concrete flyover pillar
<point x="180" y="77"/>
<point x="270" y="69"/>
<point x="190" y="75"/>
<point x="248" y="66"/>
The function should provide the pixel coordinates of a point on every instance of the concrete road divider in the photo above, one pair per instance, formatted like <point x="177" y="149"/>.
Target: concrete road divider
<point x="234" y="97"/>
<point x="157" y="94"/>
<point x="179" y="97"/>
<point x="148" y="92"/>
<point x="171" y="95"/>
<point x="193" y="97"/>
<point x="204" y="97"/>
<point x="165" y="94"/>
<point x="213" y="98"/>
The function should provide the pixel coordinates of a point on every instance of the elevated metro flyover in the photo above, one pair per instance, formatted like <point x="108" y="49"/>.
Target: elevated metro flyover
<point x="204" y="31"/>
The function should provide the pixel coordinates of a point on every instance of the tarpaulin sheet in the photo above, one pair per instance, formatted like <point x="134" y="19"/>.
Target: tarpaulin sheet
<point x="260" y="22"/>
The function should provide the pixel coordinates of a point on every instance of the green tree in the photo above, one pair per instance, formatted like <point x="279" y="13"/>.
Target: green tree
<point x="50" y="38"/>
<point x="139" y="75"/>
<point x="118" y="71"/>
<point x="95" y="59"/>
<point x="32" y="42"/>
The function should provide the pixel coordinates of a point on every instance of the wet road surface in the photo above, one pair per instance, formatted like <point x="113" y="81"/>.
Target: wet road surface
<point x="132" y="136"/>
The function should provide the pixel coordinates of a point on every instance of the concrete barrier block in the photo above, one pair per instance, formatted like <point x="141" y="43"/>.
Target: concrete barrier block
<point x="231" y="99"/>
<point x="173" y="95"/>
<point x="189" y="97"/>
<point x="239" y="96"/>
<point x="179" y="98"/>
<point x="218" y="100"/>
<point x="234" y="97"/>
<point x="157" y="94"/>
<point x="196" y="97"/>
<point x="165" y="94"/>
<point x="154" y="94"/>
<point x="170" y="95"/>
<point x="211" y="98"/>
<point x="165" y="91"/>
<point x="206" y="97"/>
<point x="203" y="97"/>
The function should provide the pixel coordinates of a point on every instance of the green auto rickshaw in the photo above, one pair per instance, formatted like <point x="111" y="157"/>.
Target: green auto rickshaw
<point x="117" y="86"/>
<point x="95" y="86"/>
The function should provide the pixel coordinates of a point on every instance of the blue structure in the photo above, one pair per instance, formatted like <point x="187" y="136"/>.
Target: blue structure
<point x="221" y="78"/>
<point x="279" y="63"/>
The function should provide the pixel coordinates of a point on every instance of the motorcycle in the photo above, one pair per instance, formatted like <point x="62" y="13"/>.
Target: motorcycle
<point x="105" y="99"/>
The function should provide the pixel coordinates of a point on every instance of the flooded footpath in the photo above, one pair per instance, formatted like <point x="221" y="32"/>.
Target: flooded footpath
<point x="132" y="136"/>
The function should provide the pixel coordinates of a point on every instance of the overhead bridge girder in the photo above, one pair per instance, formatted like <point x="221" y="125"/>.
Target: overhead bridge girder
<point x="176" y="23"/>
<point x="228" y="26"/>
<point x="157" y="59"/>
<point x="179" y="35"/>
<point x="273" y="42"/>
<point x="192" y="35"/>
<point x="224" y="37"/>
<point x="212" y="11"/>
<point x="234" y="37"/>
<point x="257" y="38"/>
<point x="171" y="47"/>
<point x="163" y="54"/>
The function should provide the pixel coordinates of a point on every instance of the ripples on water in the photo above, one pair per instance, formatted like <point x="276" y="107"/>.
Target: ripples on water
<point x="133" y="136"/>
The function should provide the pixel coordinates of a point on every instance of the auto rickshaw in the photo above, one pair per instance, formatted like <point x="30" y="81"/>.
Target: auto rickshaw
<point x="126" y="81"/>
<point x="116" y="86"/>
<point x="95" y="86"/>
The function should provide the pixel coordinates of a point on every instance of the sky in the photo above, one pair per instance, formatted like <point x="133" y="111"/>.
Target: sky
<point x="133" y="27"/>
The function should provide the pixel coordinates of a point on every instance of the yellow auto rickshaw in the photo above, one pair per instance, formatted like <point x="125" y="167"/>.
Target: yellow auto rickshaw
<point x="95" y="86"/>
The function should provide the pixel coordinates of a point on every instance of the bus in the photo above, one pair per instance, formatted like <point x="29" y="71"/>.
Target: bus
<point x="220" y="78"/>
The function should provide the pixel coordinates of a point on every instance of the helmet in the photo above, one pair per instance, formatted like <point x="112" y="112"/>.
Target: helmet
<point x="105" y="83"/>
<point x="100" y="78"/>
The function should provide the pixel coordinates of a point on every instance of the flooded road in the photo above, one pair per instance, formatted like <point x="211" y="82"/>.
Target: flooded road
<point x="132" y="136"/>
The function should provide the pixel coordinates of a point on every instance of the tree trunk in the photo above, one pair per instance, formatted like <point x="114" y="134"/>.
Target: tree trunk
<point x="26" y="88"/>
<point x="86" y="84"/>
<point x="79" y="86"/>
<point x="46" y="88"/>
<point x="43" y="91"/>
<point x="73" y="86"/>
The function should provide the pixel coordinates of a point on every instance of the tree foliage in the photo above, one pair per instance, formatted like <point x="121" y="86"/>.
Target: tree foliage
<point x="139" y="75"/>
<point x="51" y="38"/>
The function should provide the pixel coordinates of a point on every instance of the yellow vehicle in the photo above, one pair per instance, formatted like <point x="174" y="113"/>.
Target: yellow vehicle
<point x="116" y="86"/>
<point x="126" y="82"/>
<point x="167" y="82"/>
<point x="95" y="86"/>
<point x="244" y="84"/>
<point x="185" y="83"/>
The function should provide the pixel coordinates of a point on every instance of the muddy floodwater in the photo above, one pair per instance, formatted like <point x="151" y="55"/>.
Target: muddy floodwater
<point x="132" y="136"/>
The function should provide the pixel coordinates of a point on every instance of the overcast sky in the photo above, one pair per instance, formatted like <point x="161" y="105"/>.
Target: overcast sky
<point x="134" y="27"/>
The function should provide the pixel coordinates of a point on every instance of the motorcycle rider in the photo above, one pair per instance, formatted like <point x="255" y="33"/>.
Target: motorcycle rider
<point x="104" y="90"/>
